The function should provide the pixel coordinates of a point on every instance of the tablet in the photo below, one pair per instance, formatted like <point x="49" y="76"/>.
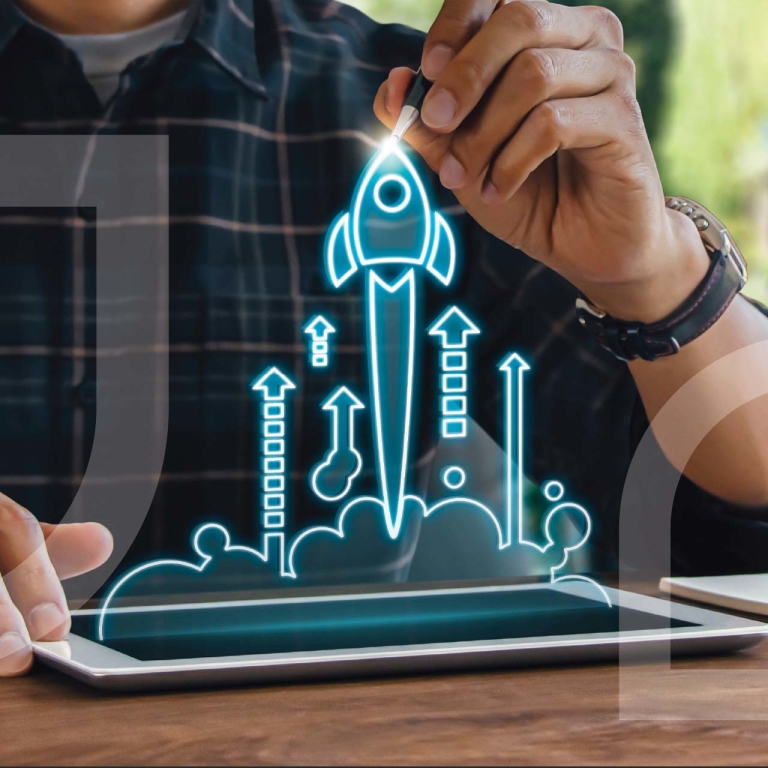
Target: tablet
<point x="743" y="592"/>
<point x="300" y="638"/>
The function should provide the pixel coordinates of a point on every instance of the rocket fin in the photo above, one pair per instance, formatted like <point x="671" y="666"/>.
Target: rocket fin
<point x="442" y="259"/>
<point x="339" y="261"/>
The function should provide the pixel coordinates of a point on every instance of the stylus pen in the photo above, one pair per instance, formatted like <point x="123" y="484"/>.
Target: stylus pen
<point x="412" y="105"/>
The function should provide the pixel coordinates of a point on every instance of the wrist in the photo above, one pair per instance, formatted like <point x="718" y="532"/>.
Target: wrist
<point x="681" y="263"/>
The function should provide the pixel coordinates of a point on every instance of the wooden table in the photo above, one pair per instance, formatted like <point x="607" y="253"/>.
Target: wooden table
<point x="566" y="715"/>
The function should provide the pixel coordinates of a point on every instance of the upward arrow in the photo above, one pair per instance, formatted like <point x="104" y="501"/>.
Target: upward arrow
<point x="514" y="367"/>
<point x="454" y="327"/>
<point x="319" y="328"/>
<point x="514" y="362"/>
<point x="333" y="477"/>
<point x="273" y="384"/>
<point x="341" y="398"/>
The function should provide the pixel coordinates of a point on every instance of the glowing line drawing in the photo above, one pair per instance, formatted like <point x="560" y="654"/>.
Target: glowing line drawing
<point x="389" y="231"/>
<point x="453" y="478"/>
<point x="390" y="177"/>
<point x="413" y="235"/>
<point x="342" y="404"/>
<point x="554" y="491"/>
<point x="453" y="327"/>
<point x="514" y="367"/>
<point x="273" y="385"/>
<point x="338" y="529"/>
<point x="319" y="329"/>
<point x="228" y="547"/>
<point x="392" y="437"/>
<point x="437" y="250"/>
<point x="567" y="550"/>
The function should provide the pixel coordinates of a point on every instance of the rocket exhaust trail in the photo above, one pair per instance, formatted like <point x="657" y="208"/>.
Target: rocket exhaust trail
<point x="391" y="346"/>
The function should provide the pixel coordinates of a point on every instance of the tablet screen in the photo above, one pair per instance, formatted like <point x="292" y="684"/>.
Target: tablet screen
<point x="282" y="626"/>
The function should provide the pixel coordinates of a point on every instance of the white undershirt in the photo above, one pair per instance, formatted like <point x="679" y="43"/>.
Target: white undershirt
<point x="105" y="57"/>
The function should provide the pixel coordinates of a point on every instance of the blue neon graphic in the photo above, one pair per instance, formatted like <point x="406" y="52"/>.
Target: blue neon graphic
<point x="514" y="368"/>
<point x="206" y="559"/>
<point x="273" y="386"/>
<point x="453" y="478"/>
<point x="393" y="237"/>
<point x="319" y="330"/>
<point x="332" y="479"/>
<point x="453" y="328"/>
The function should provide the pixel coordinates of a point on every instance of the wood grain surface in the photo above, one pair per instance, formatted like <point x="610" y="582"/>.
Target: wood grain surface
<point x="567" y="716"/>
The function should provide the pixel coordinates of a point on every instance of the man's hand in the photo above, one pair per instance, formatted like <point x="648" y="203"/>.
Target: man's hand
<point x="534" y="123"/>
<point x="34" y="557"/>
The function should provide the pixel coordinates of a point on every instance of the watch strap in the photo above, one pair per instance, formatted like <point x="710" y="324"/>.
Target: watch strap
<point x="633" y="340"/>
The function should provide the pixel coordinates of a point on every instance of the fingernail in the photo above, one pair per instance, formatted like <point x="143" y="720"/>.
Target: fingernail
<point x="436" y="60"/>
<point x="44" y="620"/>
<point x="387" y="105"/>
<point x="490" y="193"/>
<point x="439" y="109"/>
<point x="451" y="173"/>
<point x="14" y="653"/>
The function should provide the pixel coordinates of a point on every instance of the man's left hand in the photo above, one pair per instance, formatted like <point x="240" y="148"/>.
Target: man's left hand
<point x="533" y="122"/>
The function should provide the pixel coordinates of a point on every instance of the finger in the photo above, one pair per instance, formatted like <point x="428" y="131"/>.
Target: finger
<point x="536" y="75"/>
<point x="15" y="645"/>
<point x="512" y="29"/>
<point x="392" y="94"/>
<point x="29" y="575"/>
<point x="77" y="548"/>
<point x="387" y="105"/>
<point x="596" y="123"/>
<point x="455" y="25"/>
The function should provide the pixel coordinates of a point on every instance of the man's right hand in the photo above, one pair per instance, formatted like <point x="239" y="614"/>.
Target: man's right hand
<point x="34" y="558"/>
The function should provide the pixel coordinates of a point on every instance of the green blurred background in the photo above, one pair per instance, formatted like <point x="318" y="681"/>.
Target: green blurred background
<point x="702" y="72"/>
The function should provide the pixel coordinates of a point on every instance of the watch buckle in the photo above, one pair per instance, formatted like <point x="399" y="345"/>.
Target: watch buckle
<point x="586" y="306"/>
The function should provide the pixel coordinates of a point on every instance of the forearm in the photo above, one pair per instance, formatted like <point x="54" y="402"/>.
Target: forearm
<point x="732" y="460"/>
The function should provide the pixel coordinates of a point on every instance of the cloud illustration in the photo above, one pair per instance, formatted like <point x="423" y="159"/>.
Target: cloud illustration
<point x="358" y="550"/>
<point x="220" y="567"/>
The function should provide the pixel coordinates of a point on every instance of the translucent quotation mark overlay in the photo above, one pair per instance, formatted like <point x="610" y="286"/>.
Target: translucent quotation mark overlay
<point x="117" y="187"/>
<point x="658" y="692"/>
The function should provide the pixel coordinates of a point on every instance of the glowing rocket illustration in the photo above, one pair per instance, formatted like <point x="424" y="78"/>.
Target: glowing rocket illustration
<point x="390" y="232"/>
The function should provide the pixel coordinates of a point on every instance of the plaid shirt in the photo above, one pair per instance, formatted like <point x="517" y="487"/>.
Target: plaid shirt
<point x="268" y="108"/>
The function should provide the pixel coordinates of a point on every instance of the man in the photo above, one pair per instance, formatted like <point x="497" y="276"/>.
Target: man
<point x="532" y="124"/>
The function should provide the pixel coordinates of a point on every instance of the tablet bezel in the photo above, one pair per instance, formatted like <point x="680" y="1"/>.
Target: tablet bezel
<point x="103" y="667"/>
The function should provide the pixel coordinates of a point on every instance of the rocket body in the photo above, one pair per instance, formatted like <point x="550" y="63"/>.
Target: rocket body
<point x="392" y="233"/>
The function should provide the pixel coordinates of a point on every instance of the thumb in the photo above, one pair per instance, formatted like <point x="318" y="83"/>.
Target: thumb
<point x="77" y="548"/>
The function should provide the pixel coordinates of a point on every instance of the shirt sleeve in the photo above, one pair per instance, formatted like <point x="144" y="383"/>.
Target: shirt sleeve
<point x="710" y="536"/>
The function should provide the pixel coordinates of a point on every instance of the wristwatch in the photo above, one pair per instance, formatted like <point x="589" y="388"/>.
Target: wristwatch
<point x="726" y="277"/>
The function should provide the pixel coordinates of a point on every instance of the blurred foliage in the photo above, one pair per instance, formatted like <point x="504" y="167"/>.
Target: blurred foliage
<point x="702" y="67"/>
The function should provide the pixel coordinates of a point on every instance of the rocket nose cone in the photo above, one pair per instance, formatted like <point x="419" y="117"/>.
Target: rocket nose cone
<point x="391" y="215"/>
<point x="388" y="179"/>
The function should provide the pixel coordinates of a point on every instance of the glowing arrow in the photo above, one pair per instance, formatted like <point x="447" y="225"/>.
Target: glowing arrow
<point x="332" y="479"/>
<point x="272" y="383"/>
<point x="319" y="328"/>
<point x="514" y="367"/>
<point x="454" y="327"/>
